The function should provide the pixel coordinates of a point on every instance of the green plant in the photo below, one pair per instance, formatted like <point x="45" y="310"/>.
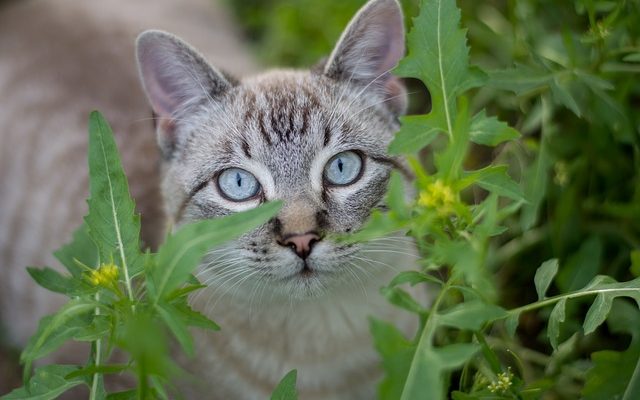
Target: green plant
<point x="120" y="297"/>
<point x="460" y="218"/>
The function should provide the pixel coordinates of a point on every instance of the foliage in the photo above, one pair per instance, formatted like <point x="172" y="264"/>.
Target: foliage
<point x="564" y="74"/>
<point x="120" y="297"/>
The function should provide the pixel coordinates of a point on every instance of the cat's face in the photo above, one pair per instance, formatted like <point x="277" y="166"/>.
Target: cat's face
<point x="314" y="139"/>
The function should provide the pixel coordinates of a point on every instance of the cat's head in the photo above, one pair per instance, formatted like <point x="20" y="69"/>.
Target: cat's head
<point x="314" y="139"/>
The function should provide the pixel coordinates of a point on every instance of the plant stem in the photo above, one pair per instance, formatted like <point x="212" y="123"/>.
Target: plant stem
<point x="555" y="299"/>
<point x="425" y="340"/>
<point x="97" y="349"/>
<point x="633" y="389"/>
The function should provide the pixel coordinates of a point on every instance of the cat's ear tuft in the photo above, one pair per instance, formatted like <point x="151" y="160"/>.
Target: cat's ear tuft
<point x="371" y="45"/>
<point x="175" y="77"/>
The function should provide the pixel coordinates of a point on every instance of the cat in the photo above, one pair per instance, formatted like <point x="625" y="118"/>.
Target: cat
<point x="286" y="296"/>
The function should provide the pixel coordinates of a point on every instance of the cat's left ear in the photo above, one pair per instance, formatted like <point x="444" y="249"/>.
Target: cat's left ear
<point x="371" y="45"/>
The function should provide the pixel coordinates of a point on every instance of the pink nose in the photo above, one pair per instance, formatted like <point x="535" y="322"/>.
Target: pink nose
<point x="301" y="244"/>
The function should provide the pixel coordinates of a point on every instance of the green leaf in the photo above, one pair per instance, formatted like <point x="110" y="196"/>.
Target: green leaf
<point x="98" y="369"/>
<point x="112" y="221"/>
<point x="396" y="352"/>
<point x="521" y="79"/>
<point x="416" y="133"/>
<point x="611" y="372"/>
<point x="555" y="319"/>
<point x="511" y="324"/>
<point x="194" y="318"/>
<point x="598" y="312"/>
<point x="47" y="383"/>
<point x="395" y="197"/>
<point x="81" y="249"/>
<point x="500" y="183"/>
<point x="562" y="93"/>
<point x="536" y="177"/>
<point x="632" y="57"/>
<point x="582" y="266"/>
<point x="178" y="327"/>
<point x="402" y="299"/>
<point x="378" y="225"/>
<point x="489" y="131"/>
<point x="426" y="377"/>
<point x="183" y="251"/>
<point x="286" y="389"/>
<point x="471" y="315"/>
<point x="55" y="329"/>
<point x="413" y="278"/>
<point x="125" y="395"/>
<point x="54" y="281"/>
<point x="544" y="275"/>
<point x="438" y="56"/>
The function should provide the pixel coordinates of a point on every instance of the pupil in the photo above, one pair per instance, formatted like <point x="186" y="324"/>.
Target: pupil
<point x="238" y="180"/>
<point x="340" y="164"/>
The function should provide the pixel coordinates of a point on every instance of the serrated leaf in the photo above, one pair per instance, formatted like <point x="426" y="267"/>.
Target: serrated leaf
<point x="81" y="249"/>
<point x="544" y="275"/>
<point x="471" y="315"/>
<point x="489" y="131"/>
<point x="500" y="183"/>
<point x="555" y="319"/>
<point x="286" y="389"/>
<point x="416" y="133"/>
<point x="496" y="180"/>
<point x="183" y="251"/>
<point x="438" y="56"/>
<point x="112" y="221"/>
<point x="47" y="383"/>
<point x="54" y="281"/>
<point x="597" y="313"/>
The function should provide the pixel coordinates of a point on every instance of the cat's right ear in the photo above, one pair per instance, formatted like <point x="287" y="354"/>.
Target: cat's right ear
<point x="175" y="78"/>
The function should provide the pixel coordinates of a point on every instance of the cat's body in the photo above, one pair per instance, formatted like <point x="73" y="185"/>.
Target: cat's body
<point x="285" y="296"/>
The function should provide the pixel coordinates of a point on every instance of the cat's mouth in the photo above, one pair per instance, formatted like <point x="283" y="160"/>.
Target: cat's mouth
<point x="306" y="271"/>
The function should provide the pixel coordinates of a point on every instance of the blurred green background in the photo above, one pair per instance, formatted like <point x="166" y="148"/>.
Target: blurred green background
<point x="566" y="74"/>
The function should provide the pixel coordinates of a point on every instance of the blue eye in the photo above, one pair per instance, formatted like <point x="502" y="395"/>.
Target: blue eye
<point x="237" y="184"/>
<point x="343" y="168"/>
